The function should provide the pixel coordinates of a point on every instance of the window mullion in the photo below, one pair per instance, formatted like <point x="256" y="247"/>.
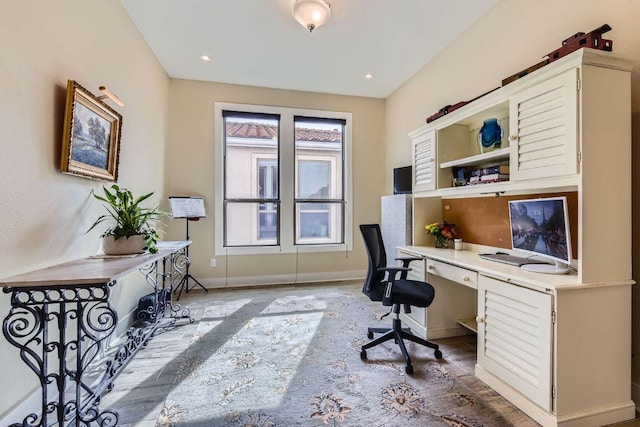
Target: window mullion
<point x="287" y="184"/>
<point x="319" y="201"/>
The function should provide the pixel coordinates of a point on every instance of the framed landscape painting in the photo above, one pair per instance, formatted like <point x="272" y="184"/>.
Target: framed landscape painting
<point x="91" y="139"/>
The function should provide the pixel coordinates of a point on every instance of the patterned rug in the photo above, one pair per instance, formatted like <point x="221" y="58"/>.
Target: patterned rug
<point x="291" y="357"/>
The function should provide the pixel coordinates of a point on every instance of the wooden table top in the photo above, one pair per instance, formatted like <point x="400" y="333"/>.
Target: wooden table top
<point x="96" y="269"/>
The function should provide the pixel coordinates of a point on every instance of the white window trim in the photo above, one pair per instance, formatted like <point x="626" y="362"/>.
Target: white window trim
<point x="286" y="186"/>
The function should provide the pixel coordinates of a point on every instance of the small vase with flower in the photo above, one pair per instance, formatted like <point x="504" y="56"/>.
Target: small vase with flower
<point x="443" y="232"/>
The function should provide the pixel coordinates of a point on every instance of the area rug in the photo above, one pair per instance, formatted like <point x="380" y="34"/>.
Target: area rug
<point x="291" y="357"/>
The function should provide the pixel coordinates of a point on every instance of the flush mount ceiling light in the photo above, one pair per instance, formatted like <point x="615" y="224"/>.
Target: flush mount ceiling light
<point x="311" y="13"/>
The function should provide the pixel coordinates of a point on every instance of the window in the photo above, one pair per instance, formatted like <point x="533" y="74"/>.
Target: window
<point x="319" y="185"/>
<point x="282" y="180"/>
<point x="267" y="189"/>
<point x="251" y="156"/>
<point x="314" y="178"/>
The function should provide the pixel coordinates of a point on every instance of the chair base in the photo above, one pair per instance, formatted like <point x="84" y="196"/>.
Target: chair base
<point x="398" y="334"/>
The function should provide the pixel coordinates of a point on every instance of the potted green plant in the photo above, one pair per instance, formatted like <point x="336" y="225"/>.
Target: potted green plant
<point x="135" y="227"/>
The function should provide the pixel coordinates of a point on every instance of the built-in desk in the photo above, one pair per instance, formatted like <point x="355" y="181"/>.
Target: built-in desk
<point x="61" y="318"/>
<point x="560" y="350"/>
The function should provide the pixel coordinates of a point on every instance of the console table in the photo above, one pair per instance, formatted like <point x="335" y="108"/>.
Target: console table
<point x="61" y="318"/>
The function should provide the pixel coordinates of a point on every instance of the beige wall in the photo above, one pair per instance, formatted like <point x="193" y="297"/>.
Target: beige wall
<point x="190" y="171"/>
<point x="514" y="35"/>
<point x="43" y="213"/>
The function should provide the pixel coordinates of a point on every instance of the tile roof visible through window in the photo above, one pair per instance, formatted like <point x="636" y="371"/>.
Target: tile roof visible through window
<point x="265" y="131"/>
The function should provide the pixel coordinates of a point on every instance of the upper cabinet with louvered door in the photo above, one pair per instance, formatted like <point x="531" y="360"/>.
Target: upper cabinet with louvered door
<point x="543" y="132"/>
<point x="424" y="162"/>
<point x="555" y="125"/>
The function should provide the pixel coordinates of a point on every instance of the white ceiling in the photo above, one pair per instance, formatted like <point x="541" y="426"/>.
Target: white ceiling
<point x="258" y="43"/>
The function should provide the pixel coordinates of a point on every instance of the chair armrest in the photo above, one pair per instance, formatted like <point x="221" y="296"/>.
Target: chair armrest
<point x="405" y="263"/>
<point x="393" y="271"/>
<point x="407" y="259"/>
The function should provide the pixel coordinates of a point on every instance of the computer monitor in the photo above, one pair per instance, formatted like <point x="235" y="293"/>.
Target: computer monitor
<point x="541" y="227"/>
<point x="402" y="180"/>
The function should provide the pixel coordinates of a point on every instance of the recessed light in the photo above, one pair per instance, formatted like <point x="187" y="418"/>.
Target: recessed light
<point x="368" y="76"/>
<point x="205" y="58"/>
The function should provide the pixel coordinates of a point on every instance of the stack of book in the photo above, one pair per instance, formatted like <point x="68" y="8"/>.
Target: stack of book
<point x="494" y="173"/>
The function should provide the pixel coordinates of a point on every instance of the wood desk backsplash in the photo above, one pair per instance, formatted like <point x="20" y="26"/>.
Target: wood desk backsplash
<point x="485" y="220"/>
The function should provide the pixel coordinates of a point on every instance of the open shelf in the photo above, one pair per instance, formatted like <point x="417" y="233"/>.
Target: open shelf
<point x="469" y="324"/>
<point x="478" y="159"/>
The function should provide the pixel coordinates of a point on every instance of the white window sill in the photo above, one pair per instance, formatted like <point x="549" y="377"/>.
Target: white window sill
<point x="265" y="250"/>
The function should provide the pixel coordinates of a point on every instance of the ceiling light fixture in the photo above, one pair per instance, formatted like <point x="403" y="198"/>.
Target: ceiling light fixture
<point x="205" y="58"/>
<point x="368" y="76"/>
<point x="311" y="13"/>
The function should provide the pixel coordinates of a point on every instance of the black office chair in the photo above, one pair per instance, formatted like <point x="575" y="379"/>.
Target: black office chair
<point x="381" y="284"/>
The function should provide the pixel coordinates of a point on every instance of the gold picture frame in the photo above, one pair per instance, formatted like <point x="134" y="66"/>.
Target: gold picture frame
<point x="91" y="139"/>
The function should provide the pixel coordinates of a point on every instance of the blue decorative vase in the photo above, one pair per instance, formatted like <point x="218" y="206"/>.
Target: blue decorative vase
<point x="490" y="135"/>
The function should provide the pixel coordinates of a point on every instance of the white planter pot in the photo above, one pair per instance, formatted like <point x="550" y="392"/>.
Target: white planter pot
<point x="124" y="245"/>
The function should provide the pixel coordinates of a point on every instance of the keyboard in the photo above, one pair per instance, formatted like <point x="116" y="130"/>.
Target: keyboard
<point x="518" y="261"/>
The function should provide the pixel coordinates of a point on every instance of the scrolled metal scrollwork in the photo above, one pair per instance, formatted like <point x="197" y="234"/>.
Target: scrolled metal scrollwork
<point x="23" y="328"/>
<point x="136" y="338"/>
<point x="61" y="330"/>
<point x="84" y="318"/>
<point x="151" y="274"/>
<point x="31" y="420"/>
<point x="93" y="417"/>
<point x="179" y="311"/>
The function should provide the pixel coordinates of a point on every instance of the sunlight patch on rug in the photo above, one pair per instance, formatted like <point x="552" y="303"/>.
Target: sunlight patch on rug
<point x="256" y="364"/>
<point x="291" y="303"/>
<point x="225" y="309"/>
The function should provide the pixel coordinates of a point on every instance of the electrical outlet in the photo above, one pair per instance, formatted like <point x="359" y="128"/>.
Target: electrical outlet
<point x="213" y="262"/>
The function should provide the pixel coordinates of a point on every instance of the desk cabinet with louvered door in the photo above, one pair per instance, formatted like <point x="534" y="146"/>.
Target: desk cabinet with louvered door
<point x="514" y="337"/>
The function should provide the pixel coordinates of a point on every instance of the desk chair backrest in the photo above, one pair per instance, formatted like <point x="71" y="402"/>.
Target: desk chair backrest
<point x="377" y="257"/>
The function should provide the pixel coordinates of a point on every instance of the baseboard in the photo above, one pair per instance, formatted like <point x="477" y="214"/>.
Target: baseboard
<point x="282" y="279"/>
<point x="635" y="395"/>
<point x="446" y="332"/>
<point x="611" y="414"/>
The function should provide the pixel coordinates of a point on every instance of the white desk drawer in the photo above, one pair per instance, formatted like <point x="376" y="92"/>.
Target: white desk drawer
<point x="451" y="272"/>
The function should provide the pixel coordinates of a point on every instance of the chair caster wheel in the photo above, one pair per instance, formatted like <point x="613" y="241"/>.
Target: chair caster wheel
<point x="370" y="335"/>
<point x="363" y="355"/>
<point x="438" y="354"/>
<point x="409" y="369"/>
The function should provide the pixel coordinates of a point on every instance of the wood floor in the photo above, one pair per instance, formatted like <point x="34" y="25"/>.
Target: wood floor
<point x="632" y="423"/>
